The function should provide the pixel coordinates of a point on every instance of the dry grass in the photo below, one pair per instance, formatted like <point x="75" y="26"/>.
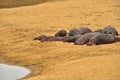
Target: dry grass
<point x="57" y="60"/>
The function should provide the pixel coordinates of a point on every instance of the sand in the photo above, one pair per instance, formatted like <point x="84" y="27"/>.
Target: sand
<point x="58" y="60"/>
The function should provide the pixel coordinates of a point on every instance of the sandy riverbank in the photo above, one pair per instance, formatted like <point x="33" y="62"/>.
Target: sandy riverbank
<point x="58" y="60"/>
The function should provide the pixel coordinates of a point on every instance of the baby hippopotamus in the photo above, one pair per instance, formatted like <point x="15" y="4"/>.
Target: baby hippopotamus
<point x="73" y="32"/>
<point x="110" y="30"/>
<point x="40" y="37"/>
<point x="61" y="33"/>
<point x="85" y="38"/>
<point x="44" y="38"/>
<point x="103" y="39"/>
<point x="84" y="30"/>
<point x="80" y="31"/>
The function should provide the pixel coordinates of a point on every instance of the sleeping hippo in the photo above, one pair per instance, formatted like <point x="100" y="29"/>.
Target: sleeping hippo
<point x="44" y="38"/>
<point x="73" y="32"/>
<point x="85" y="38"/>
<point x="110" y="30"/>
<point x="80" y="31"/>
<point x="61" y="33"/>
<point x="103" y="39"/>
<point x="40" y="37"/>
<point x="84" y="30"/>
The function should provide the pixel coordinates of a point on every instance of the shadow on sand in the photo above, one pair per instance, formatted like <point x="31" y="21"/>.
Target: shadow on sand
<point x="19" y="3"/>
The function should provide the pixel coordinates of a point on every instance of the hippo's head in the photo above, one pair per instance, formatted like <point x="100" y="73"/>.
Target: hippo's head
<point x="79" y="41"/>
<point x="40" y="37"/>
<point x="61" y="33"/>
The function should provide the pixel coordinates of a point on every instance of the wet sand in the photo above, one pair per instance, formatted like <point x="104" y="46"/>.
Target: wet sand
<point x="58" y="60"/>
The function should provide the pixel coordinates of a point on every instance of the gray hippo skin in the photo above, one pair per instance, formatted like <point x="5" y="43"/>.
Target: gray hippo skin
<point x="102" y="39"/>
<point x="85" y="38"/>
<point x="84" y="30"/>
<point x="80" y="31"/>
<point x="61" y="33"/>
<point x="44" y="38"/>
<point x="40" y="37"/>
<point x="72" y="38"/>
<point x="73" y="32"/>
<point x="110" y="30"/>
<point x="99" y="30"/>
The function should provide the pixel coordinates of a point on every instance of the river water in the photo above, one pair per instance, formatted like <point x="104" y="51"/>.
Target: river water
<point x="10" y="72"/>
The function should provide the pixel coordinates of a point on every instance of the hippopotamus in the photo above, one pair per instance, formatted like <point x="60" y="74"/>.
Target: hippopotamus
<point x="110" y="30"/>
<point x="84" y="30"/>
<point x="99" y="30"/>
<point x="40" y="37"/>
<point x="73" y="32"/>
<point x="44" y="38"/>
<point x="61" y="33"/>
<point x="103" y="39"/>
<point x="80" y="31"/>
<point x="85" y="38"/>
<point x="71" y="38"/>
